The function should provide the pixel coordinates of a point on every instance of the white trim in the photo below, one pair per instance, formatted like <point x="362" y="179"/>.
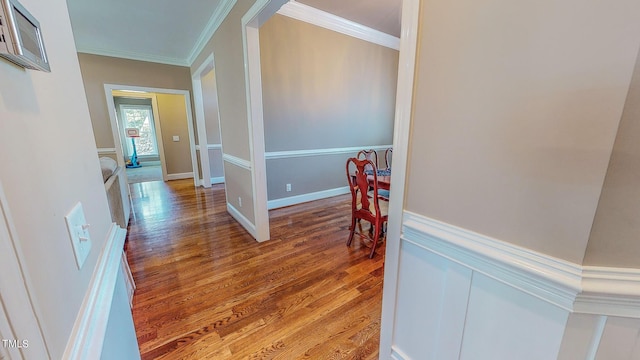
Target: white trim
<point x="198" y="101"/>
<point x="401" y="130"/>
<point x="299" y="199"/>
<point x="335" y="23"/>
<point x="178" y="176"/>
<point x="251" y="21"/>
<point x="87" y="336"/>
<point x="102" y="151"/>
<point x="596" y="338"/>
<point x="222" y="10"/>
<point x="396" y="354"/>
<point x="211" y="147"/>
<point x="246" y="223"/>
<point x="548" y="278"/>
<point x="321" y="152"/>
<point x="134" y="56"/>
<point x="609" y="291"/>
<point x="217" y="180"/>
<point x="245" y="164"/>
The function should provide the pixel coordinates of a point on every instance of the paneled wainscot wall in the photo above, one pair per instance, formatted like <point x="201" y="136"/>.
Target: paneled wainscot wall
<point x="462" y="295"/>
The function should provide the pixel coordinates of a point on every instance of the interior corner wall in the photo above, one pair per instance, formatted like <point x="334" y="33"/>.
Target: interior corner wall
<point x="212" y="121"/>
<point x="99" y="70"/>
<point x="516" y="111"/>
<point x="226" y="45"/>
<point x="49" y="161"/>
<point x="321" y="90"/>
<point x="614" y="236"/>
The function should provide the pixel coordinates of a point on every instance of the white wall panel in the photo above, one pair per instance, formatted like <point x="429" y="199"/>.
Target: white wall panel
<point x="505" y="323"/>
<point x="432" y="297"/>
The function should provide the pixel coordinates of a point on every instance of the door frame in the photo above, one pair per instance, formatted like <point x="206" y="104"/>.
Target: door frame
<point x="110" y="88"/>
<point x="256" y="16"/>
<point x="198" y="102"/>
<point x="156" y="124"/>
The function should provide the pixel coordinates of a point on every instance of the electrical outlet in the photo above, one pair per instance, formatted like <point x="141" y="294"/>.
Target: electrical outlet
<point x="239" y="201"/>
<point x="79" y="234"/>
<point x="288" y="187"/>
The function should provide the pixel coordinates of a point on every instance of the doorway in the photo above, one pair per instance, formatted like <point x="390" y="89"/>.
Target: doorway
<point x="163" y="115"/>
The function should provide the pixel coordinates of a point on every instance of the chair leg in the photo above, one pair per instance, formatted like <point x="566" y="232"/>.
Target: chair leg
<point x="352" y="230"/>
<point x="376" y="236"/>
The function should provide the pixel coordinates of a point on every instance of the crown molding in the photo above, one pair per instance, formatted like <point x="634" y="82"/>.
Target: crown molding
<point x="311" y="15"/>
<point x="223" y="9"/>
<point x="133" y="56"/>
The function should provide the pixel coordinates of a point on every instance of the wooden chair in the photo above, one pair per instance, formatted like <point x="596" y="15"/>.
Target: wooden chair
<point x="370" y="154"/>
<point x="388" y="154"/>
<point x="366" y="204"/>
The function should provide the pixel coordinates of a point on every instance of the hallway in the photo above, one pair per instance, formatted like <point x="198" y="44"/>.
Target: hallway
<point x="206" y="289"/>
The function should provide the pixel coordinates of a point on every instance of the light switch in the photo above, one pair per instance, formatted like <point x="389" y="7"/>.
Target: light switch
<point x="176" y="138"/>
<point x="79" y="233"/>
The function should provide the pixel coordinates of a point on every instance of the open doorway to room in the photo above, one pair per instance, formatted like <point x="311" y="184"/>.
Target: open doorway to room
<point x="142" y="152"/>
<point x="165" y="145"/>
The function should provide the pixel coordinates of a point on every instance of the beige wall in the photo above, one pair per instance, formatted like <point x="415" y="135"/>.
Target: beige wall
<point x="321" y="89"/>
<point x="173" y="122"/>
<point x="49" y="162"/>
<point x="614" y="236"/>
<point x="226" y="45"/>
<point x="516" y="110"/>
<point x="99" y="70"/>
<point x="210" y="98"/>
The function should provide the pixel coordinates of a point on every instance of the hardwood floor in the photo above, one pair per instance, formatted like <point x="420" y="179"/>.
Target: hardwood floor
<point x="207" y="290"/>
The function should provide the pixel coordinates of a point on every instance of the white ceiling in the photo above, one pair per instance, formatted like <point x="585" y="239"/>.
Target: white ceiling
<point x="156" y="30"/>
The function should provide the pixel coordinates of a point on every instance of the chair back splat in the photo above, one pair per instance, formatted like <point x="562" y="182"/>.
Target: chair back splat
<point x="366" y="204"/>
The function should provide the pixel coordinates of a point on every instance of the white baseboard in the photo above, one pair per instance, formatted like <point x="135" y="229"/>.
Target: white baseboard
<point x="246" y="223"/>
<point x="299" y="199"/>
<point x="178" y="176"/>
<point x="87" y="336"/>
<point x="217" y="180"/>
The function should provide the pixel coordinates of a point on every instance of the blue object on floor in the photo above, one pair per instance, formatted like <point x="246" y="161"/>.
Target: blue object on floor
<point x="134" y="157"/>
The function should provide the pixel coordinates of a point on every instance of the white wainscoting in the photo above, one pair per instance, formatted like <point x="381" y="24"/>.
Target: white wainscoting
<point x="88" y="334"/>
<point x="245" y="164"/>
<point x="463" y="295"/>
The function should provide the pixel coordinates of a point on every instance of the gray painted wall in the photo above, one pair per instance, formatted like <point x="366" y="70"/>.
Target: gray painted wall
<point x="615" y="234"/>
<point x="321" y="89"/>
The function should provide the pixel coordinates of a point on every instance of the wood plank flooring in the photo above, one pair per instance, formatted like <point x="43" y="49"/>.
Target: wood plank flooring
<point x="207" y="290"/>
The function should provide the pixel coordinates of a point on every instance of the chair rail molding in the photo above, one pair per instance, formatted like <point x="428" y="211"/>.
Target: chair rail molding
<point x="102" y="151"/>
<point x="311" y="15"/>
<point x="548" y="278"/>
<point x="87" y="335"/>
<point x="321" y="152"/>
<point x="245" y="164"/>
<point x="609" y="291"/>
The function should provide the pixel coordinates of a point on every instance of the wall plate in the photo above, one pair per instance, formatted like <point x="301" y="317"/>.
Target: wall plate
<point x="79" y="234"/>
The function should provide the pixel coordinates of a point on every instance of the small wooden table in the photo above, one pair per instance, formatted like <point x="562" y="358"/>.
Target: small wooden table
<point x="384" y="182"/>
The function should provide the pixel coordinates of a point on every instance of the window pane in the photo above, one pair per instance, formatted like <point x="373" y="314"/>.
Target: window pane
<point x="141" y="117"/>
